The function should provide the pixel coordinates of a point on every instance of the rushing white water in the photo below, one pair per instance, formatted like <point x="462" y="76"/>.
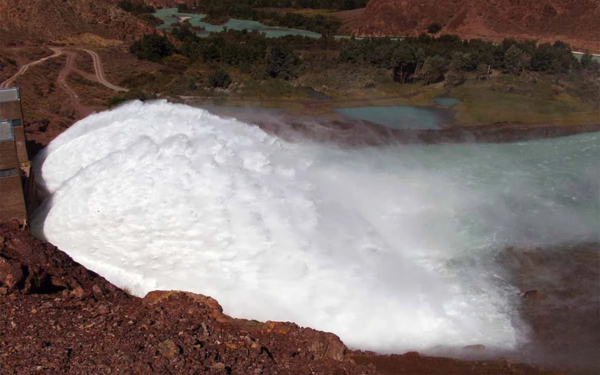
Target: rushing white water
<point x="391" y="248"/>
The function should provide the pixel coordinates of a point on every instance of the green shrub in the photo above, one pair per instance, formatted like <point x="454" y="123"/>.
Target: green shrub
<point x="152" y="47"/>
<point x="434" y="28"/>
<point x="219" y="79"/>
<point x="128" y="96"/>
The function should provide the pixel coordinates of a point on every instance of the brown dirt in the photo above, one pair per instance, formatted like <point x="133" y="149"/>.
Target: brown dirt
<point x="46" y="106"/>
<point x="58" y="317"/>
<point x="12" y="59"/>
<point x="59" y="91"/>
<point x="91" y="93"/>
<point x="120" y="65"/>
<point x="575" y="22"/>
<point x="85" y="64"/>
<point x="81" y="109"/>
<point x="47" y="20"/>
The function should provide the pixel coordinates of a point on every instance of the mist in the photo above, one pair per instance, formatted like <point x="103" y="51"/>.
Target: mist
<point x="392" y="248"/>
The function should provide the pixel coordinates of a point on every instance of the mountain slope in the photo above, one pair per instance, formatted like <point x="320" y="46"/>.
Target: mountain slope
<point x="572" y="21"/>
<point x="46" y="20"/>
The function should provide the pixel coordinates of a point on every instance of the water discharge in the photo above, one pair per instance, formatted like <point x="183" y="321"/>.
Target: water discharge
<point x="392" y="248"/>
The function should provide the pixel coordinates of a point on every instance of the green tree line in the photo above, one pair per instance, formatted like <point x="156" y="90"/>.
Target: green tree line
<point x="423" y="58"/>
<point x="295" y="4"/>
<point x="219" y="11"/>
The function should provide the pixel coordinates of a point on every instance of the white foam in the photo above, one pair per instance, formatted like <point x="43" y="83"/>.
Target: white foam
<point x="389" y="248"/>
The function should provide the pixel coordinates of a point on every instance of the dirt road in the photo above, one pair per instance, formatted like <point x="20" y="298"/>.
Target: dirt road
<point x="100" y="72"/>
<point x="99" y="69"/>
<point x="64" y="73"/>
<point x="8" y="82"/>
<point x="62" y="81"/>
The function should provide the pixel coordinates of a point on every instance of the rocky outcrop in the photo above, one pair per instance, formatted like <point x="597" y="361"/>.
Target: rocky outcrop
<point x="53" y="20"/>
<point x="58" y="317"/>
<point x="572" y="21"/>
<point x="29" y="266"/>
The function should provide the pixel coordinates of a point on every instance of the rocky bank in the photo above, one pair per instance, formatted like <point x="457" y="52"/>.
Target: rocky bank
<point x="58" y="317"/>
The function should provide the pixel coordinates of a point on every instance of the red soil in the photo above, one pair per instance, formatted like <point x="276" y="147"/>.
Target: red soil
<point x="576" y="22"/>
<point x="58" y="317"/>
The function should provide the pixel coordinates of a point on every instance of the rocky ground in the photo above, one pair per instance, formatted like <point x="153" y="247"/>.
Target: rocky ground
<point x="574" y="22"/>
<point x="58" y="317"/>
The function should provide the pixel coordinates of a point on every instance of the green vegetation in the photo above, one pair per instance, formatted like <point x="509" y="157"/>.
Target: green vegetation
<point x="510" y="56"/>
<point x="219" y="11"/>
<point x="219" y="79"/>
<point x="295" y="4"/>
<point x="152" y="47"/>
<point x="281" y="63"/>
<point x="434" y="28"/>
<point x="588" y="62"/>
<point x="136" y="8"/>
<point x="142" y="11"/>
<point x="511" y="81"/>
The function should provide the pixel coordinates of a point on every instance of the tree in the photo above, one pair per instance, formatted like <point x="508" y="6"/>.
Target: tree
<point x="152" y="47"/>
<point x="404" y="63"/>
<point x="556" y="58"/>
<point x="434" y="28"/>
<point x="219" y="79"/>
<point x="515" y="60"/>
<point x="281" y="63"/>
<point x="483" y="71"/>
<point x="433" y="69"/>
<point x="460" y="63"/>
<point x="177" y="62"/>
<point x="588" y="62"/>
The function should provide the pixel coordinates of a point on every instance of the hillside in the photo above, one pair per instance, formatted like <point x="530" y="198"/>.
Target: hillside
<point x="63" y="318"/>
<point x="51" y="20"/>
<point x="572" y="21"/>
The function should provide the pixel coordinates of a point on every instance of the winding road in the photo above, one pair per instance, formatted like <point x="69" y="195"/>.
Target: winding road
<point x="100" y="72"/>
<point x="98" y="67"/>
<point x="8" y="82"/>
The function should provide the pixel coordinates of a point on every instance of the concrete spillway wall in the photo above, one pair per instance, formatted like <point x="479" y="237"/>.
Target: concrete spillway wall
<point x="18" y="196"/>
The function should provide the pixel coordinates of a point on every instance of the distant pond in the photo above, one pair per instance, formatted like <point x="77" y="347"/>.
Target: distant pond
<point x="400" y="117"/>
<point x="446" y="101"/>
<point x="171" y="15"/>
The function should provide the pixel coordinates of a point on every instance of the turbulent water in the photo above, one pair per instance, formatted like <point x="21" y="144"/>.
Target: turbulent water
<point x="392" y="248"/>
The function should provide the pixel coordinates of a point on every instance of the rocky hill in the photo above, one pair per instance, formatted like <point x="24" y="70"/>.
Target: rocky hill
<point x="52" y="20"/>
<point x="58" y="317"/>
<point x="576" y="22"/>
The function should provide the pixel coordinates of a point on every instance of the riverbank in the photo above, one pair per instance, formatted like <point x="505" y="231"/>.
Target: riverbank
<point x="83" y="323"/>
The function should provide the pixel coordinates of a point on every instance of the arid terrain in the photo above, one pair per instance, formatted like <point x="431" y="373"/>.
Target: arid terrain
<point x="575" y="22"/>
<point x="58" y="317"/>
<point x="50" y="20"/>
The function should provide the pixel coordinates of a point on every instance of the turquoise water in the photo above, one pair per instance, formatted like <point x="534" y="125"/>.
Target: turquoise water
<point x="171" y="15"/>
<point x="446" y="101"/>
<point x="578" y="57"/>
<point x="317" y="95"/>
<point x="399" y="117"/>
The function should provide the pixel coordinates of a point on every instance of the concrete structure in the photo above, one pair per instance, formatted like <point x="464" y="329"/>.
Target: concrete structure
<point x="18" y="196"/>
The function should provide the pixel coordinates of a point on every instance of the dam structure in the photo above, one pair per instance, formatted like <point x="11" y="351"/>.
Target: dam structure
<point x="18" y="196"/>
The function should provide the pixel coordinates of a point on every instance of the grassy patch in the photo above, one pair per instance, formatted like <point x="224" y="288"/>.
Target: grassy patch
<point x="482" y="103"/>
